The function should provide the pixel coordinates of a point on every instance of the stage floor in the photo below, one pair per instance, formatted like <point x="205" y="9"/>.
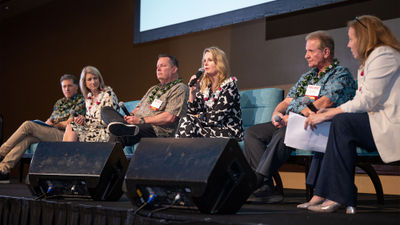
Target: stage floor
<point x="368" y="211"/>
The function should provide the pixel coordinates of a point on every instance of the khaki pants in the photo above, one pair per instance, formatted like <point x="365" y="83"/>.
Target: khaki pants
<point x="28" y="133"/>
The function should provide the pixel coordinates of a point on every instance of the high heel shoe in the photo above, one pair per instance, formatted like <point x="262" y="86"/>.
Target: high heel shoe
<point x="308" y="204"/>
<point x="326" y="208"/>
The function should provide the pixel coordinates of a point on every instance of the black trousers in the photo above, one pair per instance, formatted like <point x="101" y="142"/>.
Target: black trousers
<point x="336" y="178"/>
<point x="108" y="114"/>
<point x="315" y="167"/>
<point x="262" y="159"/>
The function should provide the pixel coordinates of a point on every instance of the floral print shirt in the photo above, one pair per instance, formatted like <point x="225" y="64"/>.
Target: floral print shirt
<point x="95" y="129"/>
<point x="63" y="107"/>
<point x="338" y="85"/>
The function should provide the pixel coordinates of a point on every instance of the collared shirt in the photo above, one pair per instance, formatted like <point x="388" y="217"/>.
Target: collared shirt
<point x="173" y="101"/>
<point x="62" y="108"/>
<point x="338" y="85"/>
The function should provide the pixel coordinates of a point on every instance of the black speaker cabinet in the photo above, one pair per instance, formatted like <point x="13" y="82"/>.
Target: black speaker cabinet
<point x="78" y="169"/>
<point x="210" y="173"/>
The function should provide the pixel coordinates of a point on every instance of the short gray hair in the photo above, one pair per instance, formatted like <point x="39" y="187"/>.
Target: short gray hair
<point x="326" y="41"/>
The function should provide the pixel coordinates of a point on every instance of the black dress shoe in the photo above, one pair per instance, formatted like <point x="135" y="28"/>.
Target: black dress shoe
<point x="266" y="194"/>
<point x="122" y="129"/>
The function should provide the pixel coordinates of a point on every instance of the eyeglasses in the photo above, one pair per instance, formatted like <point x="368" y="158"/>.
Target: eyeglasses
<point x="360" y="22"/>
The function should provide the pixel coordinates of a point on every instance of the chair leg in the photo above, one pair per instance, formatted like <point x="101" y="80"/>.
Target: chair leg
<point x="375" y="180"/>
<point x="278" y="182"/>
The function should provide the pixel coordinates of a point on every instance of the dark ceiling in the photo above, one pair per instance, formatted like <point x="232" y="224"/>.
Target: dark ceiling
<point x="11" y="8"/>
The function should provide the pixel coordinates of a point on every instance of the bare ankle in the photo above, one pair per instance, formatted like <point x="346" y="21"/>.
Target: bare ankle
<point x="317" y="198"/>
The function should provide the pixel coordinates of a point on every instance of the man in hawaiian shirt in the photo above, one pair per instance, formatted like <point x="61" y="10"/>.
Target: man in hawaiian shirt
<point x="327" y="84"/>
<point x="158" y="112"/>
<point x="35" y="131"/>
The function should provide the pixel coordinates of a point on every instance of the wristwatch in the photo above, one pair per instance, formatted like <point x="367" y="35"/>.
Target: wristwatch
<point x="142" y="120"/>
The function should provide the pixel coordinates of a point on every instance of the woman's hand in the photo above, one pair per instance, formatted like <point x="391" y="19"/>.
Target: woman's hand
<point x="322" y="115"/>
<point x="313" y="119"/>
<point x="79" y="119"/>
<point x="194" y="89"/>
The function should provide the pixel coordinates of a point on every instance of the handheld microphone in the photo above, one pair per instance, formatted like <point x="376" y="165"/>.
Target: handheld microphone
<point x="307" y="101"/>
<point x="122" y="105"/>
<point x="277" y="118"/>
<point x="198" y="74"/>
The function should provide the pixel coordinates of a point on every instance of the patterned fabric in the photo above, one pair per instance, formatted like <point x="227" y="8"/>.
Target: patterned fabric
<point x="62" y="108"/>
<point x="338" y="85"/>
<point x="94" y="129"/>
<point x="173" y="101"/>
<point x="214" y="114"/>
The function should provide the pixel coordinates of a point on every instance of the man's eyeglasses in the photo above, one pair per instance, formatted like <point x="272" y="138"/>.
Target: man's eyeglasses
<point x="360" y="22"/>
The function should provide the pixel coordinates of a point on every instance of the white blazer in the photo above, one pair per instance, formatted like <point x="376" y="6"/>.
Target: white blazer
<point x="379" y="94"/>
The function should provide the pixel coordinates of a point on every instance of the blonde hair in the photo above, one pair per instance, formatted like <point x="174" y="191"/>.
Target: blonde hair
<point x="371" y="33"/>
<point x="222" y="64"/>
<point x="82" y="82"/>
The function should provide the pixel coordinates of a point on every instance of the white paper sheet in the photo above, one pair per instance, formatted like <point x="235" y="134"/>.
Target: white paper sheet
<point x="297" y="137"/>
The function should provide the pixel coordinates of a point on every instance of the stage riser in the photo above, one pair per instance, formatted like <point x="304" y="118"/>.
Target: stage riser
<point x="22" y="211"/>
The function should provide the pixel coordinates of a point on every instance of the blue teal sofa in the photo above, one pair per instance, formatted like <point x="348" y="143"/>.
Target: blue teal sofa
<point x="257" y="107"/>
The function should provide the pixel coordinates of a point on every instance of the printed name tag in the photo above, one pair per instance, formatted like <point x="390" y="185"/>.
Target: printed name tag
<point x="313" y="91"/>
<point x="156" y="104"/>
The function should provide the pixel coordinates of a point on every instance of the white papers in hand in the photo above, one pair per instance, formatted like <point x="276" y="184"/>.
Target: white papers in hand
<point x="297" y="137"/>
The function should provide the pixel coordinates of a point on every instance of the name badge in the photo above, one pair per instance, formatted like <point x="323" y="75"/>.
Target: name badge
<point x="156" y="104"/>
<point x="313" y="91"/>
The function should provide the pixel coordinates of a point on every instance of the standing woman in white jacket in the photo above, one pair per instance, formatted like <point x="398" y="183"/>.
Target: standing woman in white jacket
<point x="371" y="120"/>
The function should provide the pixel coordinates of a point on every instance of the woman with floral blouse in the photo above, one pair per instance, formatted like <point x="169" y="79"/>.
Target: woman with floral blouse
<point x="91" y="128"/>
<point x="214" y="102"/>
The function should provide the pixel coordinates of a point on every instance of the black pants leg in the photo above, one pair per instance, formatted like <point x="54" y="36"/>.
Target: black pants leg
<point x="109" y="114"/>
<point x="336" y="178"/>
<point x="256" y="139"/>
<point x="276" y="154"/>
<point x="145" y="130"/>
<point x="266" y="160"/>
<point x="315" y="168"/>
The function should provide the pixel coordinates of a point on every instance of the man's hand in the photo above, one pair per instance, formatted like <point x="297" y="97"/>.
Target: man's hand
<point x="132" y="119"/>
<point x="282" y="122"/>
<point x="79" y="119"/>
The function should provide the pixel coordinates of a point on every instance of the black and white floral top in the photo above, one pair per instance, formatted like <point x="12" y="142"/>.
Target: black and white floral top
<point x="94" y="129"/>
<point x="215" y="114"/>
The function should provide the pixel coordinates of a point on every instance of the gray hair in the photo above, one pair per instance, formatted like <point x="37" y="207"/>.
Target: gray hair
<point x="326" y="41"/>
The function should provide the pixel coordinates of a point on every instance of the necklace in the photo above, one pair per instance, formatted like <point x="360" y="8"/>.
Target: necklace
<point x="210" y="101"/>
<point x="94" y="100"/>
<point x="312" y="78"/>
<point x="162" y="90"/>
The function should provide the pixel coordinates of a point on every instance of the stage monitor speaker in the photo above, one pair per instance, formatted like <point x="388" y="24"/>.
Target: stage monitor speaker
<point x="78" y="169"/>
<point x="211" y="174"/>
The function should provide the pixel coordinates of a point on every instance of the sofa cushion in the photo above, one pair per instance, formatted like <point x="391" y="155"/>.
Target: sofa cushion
<point x="257" y="105"/>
